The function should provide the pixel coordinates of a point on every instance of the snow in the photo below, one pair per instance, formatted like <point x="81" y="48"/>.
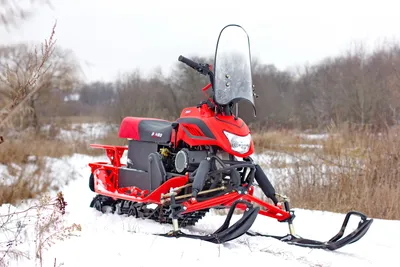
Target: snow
<point x="114" y="240"/>
<point x="314" y="136"/>
<point x="8" y="179"/>
<point x="5" y="176"/>
<point x="72" y="97"/>
<point x="315" y="146"/>
<point x="83" y="131"/>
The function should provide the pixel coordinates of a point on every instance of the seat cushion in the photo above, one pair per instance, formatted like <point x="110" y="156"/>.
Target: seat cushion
<point x="146" y="129"/>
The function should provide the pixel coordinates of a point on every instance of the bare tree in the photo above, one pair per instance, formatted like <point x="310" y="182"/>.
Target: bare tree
<point x="187" y="83"/>
<point x="97" y="93"/>
<point x="275" y="97"/>
<point x="31" y="83"/>
<point x="140" y="96"/>
<point x="354" y="88"/>
<point x="21" y="66"/>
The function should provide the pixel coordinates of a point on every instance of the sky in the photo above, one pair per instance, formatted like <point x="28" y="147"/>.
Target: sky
<point x="118" y="36"/>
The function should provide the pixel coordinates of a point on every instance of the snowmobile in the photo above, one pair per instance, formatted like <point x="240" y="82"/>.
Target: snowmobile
<point x="176" y="171"/>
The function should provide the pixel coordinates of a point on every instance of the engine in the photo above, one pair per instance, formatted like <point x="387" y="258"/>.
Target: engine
<point x="185" y="160"/>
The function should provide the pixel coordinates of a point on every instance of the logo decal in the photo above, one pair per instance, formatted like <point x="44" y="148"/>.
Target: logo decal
<point x="154" y="134"/>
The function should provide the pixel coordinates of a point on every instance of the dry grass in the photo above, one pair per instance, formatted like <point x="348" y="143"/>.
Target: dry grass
<point x="111" y="139"/>
<point x="67" y="120"/>
<point x="283" y="141"/>
<point x="27" y="184"/>
<point x="24" y="159"/>
<point x="20" y="152"/>
<point x="354" y="170"/>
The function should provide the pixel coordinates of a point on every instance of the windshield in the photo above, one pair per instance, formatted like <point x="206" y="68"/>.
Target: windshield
<point x="232" y="67"/>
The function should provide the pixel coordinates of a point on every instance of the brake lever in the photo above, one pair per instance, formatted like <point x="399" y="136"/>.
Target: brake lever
<point x="204" y="69"/>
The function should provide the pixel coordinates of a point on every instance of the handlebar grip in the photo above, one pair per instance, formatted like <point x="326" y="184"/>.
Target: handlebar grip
<point x="189" y="62"/>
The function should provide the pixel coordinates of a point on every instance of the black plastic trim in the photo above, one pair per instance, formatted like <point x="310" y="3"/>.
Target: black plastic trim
<point x="203" y="127"/>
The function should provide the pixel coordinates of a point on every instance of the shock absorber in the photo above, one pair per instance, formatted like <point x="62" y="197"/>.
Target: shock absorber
<point x="265" y="184"/>
<point x="200" y="177"/>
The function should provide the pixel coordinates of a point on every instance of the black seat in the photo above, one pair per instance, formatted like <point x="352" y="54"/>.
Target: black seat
<point x="158" y="131"/>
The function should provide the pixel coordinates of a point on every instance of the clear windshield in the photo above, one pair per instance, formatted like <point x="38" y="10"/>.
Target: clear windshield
<point x="232" y="67"/>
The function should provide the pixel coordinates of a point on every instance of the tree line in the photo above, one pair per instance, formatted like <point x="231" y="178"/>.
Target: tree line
<point x="357" y="87"/>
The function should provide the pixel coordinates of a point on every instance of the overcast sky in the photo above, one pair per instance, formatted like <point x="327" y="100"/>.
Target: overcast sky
<point x="115" y="36"/>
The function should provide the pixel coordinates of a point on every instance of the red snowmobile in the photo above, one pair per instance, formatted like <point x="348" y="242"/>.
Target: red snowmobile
<point x="200" y="161"/>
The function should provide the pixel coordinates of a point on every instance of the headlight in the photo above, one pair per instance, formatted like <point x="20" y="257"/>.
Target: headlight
<point x="240" y="144"/>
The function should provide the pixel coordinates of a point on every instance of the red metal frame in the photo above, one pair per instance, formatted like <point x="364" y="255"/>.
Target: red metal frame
<point x="227" y="200"/>
<point x="106" y="183"/>
<point x="114" y="154"/>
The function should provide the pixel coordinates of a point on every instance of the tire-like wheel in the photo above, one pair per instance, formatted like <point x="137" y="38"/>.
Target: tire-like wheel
<point x="91" y="182"/>
<point x="103" y="204"/>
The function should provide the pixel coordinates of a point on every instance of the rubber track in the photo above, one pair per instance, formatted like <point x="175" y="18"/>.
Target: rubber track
<point x="141" y="211"/>
<point x="186" y="220"/>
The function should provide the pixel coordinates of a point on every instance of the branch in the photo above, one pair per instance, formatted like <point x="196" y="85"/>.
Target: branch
<point x="32" y="85"/>
<point x="15" y="108"/>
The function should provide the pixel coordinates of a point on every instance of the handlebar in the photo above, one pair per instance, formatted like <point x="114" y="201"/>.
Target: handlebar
<point x="189" y="62"/>
<point x="201" y="68"/>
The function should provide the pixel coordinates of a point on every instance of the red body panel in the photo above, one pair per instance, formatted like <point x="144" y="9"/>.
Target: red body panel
<point x="194" y="135"/>
<point x="216" y="124"/>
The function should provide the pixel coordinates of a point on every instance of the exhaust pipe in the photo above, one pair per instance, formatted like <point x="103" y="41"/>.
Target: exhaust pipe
<point x="200" y="177"/>
<point x="265" y="184"/>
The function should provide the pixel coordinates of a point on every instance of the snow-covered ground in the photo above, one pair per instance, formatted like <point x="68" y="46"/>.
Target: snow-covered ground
<point x="113" y="240"/>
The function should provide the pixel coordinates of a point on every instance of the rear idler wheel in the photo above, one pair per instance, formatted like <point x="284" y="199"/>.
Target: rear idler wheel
<point x="103" y="204"/>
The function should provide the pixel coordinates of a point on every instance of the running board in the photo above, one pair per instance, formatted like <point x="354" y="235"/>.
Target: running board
<point x="335" y="242"/>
